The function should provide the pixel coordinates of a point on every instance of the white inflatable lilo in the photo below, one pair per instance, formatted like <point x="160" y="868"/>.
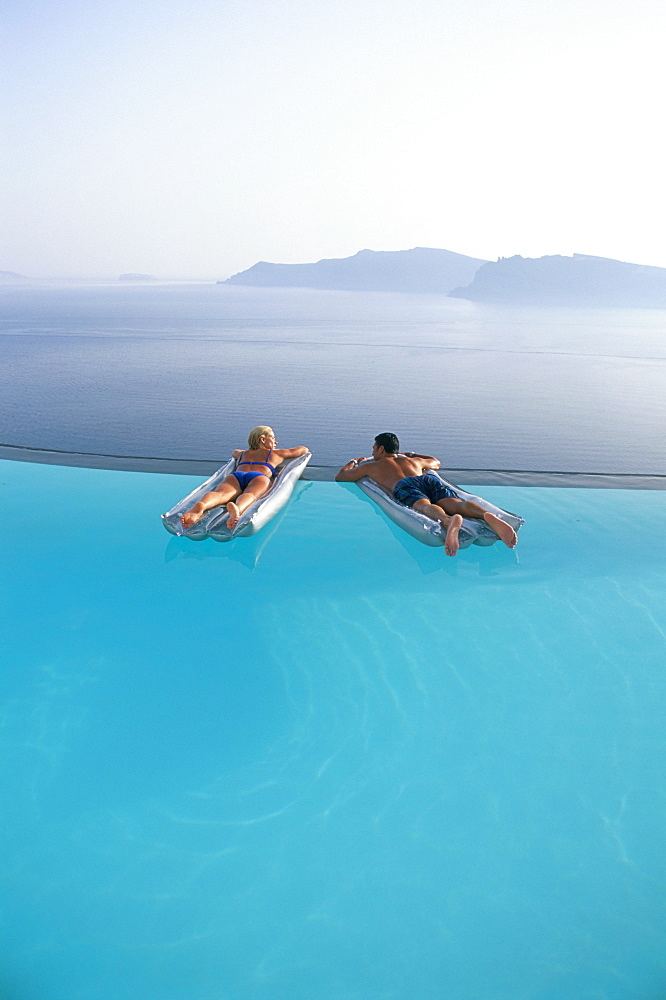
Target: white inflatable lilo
<point x="473" y="531"/>
<point x="213" y="524"/>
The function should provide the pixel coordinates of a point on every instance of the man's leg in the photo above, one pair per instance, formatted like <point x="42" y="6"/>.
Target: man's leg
<point x="451" y="523"/>
<point x="468" y="508"/>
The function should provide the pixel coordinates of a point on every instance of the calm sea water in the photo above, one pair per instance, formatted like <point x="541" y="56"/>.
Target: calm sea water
<point x="185" y="370"/>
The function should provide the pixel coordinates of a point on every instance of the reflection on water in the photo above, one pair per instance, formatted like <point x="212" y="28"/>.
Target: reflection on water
<point x="246" y="551"/>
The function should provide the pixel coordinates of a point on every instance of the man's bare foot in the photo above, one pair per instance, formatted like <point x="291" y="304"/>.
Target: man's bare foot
<point x="451" y="543"/>
<point x="191" y="517"/>
<point x="234" y="514"/>
<point x="502" y="529"/>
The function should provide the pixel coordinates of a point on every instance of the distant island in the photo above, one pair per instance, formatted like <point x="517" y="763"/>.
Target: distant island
<point x="421" y="270"/>
<point x="12" y="276"/>
<point x="136" y="277"/>
<point x="580" y="280"/>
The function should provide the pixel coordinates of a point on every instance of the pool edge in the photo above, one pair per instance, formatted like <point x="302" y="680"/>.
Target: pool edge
<point x="326" y="473"/>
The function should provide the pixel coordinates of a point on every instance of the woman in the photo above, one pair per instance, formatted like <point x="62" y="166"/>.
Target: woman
<point x="251" y="480"/>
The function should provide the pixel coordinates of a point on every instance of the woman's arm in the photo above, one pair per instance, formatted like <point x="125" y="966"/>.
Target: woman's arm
<point x="285" y="453"/>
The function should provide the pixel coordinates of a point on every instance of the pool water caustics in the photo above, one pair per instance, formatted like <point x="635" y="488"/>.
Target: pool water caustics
<point x="328" y="761"/>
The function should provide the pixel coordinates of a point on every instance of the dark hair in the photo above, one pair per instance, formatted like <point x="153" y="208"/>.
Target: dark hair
<point x="388" y="442"/>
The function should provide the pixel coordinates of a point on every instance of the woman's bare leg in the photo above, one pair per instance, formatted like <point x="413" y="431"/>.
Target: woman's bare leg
<point x="226" y="490"/>
<point x="256" y="489"/>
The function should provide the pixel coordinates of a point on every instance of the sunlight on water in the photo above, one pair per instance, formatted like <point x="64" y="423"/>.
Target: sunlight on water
<point x="328" y="761"/>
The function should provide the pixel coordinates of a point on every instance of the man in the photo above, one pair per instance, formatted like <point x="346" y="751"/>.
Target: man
<point x="405" y="476"/>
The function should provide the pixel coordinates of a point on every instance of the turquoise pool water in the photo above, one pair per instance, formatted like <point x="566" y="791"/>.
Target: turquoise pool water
<point x="328" y="762"/>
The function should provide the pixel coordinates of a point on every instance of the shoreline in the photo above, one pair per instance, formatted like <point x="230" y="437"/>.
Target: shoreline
<point x="326" y="473"/>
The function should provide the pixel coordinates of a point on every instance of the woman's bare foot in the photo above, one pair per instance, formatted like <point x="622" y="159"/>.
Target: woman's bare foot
<point x="234" y="514"/>
<point x="451" y="543"/>
<point x="502" y="529"/>
<point x="191" y="516"/>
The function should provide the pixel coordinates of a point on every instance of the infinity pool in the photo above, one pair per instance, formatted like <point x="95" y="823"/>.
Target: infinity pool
<point x="329" y="763"/>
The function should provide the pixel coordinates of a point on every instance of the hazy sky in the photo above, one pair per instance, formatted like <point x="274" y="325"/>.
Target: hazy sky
<point x="193" y="139"/>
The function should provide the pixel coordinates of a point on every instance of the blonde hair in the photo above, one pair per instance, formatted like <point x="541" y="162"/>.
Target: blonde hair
<point x="255" y="436"/>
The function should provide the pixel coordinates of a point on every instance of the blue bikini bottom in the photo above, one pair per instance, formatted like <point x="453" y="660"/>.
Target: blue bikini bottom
<point x="246" y="477"/>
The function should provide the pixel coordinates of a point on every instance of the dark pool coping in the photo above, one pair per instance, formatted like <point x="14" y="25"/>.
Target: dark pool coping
<point x="326" y="473"/>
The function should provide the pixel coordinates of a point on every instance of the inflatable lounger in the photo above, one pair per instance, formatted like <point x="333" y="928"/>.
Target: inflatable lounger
<point x="472" y="532"/>
<point x="214" y="522"/>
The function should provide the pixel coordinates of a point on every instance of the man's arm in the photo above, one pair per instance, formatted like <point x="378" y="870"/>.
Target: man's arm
<point x="427" y="460"/>
<point x="353" y="470"/>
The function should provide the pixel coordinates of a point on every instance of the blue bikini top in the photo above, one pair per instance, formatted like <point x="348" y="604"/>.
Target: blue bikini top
<point x="267" y="464"/>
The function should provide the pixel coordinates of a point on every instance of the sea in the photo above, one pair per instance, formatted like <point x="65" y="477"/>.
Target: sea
<point x="184" y="370"/>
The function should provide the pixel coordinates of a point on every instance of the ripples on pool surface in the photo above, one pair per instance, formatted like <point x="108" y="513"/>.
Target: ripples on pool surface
<point x="329" y="762"/>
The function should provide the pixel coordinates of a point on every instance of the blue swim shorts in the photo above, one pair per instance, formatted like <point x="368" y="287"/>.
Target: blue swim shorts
<point x="426" y="487"/>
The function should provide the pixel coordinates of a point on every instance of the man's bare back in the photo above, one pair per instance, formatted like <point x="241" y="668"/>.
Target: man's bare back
<point x="386" y="469"/>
